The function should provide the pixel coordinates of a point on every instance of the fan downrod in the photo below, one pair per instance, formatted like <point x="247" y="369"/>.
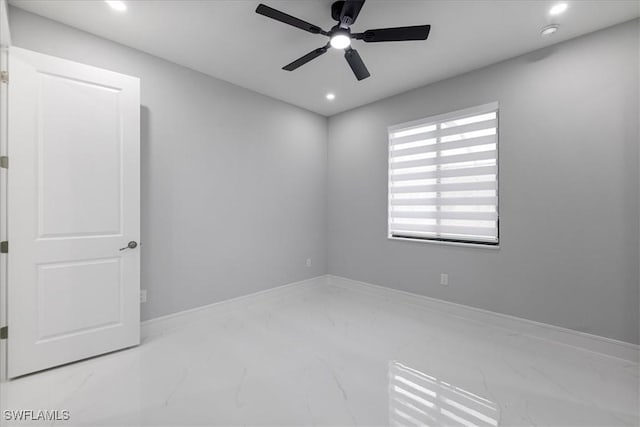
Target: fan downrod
<point x="336" y="10"/>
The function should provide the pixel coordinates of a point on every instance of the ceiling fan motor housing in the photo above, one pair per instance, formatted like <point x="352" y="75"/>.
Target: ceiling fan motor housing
<point x="339" y="30"/>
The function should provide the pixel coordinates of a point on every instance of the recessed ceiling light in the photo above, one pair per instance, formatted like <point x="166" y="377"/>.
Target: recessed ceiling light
<point x="331" y="96"/>
<point x="549" y="29"/>
<point x="117" y="5"/>
<point x="558" y="9"/>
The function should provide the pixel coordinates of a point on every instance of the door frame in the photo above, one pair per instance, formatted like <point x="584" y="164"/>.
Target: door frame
<point x="5" y="42"/>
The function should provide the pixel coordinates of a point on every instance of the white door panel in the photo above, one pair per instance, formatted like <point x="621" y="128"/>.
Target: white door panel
<point x="97" y="283"/>
<point x="73" y="196"/>
<point x="81" y="195"/>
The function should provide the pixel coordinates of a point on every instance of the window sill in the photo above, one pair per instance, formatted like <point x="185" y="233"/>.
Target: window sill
<point x="440" y="242"/>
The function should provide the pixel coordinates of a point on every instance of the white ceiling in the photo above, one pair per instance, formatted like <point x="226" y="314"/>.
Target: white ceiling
<point x="228" y="40"/>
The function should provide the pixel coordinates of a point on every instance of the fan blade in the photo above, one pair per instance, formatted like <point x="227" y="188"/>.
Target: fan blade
<point x="350" y="11"/>
<point x="356" y="64"/>
<point x="272" y="13"/>
<point x="308" y="57"/>
<point x="417" y="32"/>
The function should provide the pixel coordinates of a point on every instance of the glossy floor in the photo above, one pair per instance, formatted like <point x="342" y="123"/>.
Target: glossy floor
<point x="320" y="355"/>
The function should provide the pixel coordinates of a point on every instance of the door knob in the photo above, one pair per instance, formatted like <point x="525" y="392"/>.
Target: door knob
<point x="130" y="245"/>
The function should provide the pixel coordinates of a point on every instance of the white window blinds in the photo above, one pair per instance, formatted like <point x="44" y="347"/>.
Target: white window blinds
<point x="443" y="177"/>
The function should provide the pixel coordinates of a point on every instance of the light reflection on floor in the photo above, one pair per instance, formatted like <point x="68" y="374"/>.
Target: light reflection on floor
<point x="418" y="399"/>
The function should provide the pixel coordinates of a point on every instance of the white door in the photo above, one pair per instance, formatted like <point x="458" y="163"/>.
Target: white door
<point x="73" y="203"/>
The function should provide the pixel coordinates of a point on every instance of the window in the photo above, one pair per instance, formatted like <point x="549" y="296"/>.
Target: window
<point x="443" y="177"/>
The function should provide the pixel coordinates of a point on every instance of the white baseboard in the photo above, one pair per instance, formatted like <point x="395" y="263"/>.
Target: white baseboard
<point x="158" y="325"/>
<point x="581" y="340"/>
<point x="595" y="343"/>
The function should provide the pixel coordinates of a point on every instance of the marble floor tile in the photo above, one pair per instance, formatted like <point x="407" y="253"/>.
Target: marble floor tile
<point x="323" y="355"/>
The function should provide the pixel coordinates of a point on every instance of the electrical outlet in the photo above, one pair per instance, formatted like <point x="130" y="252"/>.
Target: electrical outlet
<point x="444" y="279"/>
<point x="143" y="296"/>
<point x="308" y="262"/>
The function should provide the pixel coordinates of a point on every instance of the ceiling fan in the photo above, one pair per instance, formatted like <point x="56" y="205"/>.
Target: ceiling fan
<point x="345" y="12"/>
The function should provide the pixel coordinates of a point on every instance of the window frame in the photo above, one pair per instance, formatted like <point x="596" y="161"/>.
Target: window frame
<point x="435" y="119"/>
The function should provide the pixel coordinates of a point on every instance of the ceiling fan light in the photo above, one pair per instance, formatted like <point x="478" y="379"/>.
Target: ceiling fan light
<point x="340" y="41"/>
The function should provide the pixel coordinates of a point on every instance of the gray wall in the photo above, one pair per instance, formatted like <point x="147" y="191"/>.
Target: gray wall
<point x="568" y="189"/>
<point x="233" y="182"/>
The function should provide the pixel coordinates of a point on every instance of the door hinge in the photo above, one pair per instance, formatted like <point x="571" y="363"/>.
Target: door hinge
<point x="4" y="333"/>
<point x="4" y="76"/>
<point x="4" y="247"/>
<point x="4" y="162"/>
